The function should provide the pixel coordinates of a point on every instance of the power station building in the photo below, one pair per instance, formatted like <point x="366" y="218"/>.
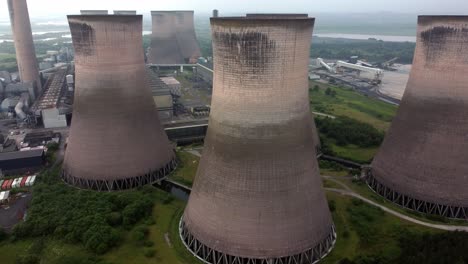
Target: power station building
<point x="422" y="164"/>
<point x="258" y="196"/>
<point x="116" y="140"/>
<point x="24" y="45"/>
<point x="173" y="40"/>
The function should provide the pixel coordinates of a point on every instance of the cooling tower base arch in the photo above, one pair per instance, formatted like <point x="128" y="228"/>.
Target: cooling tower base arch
<point x="211" y="256"/>
<point x="120" y="184"/>
<point x="413" y="204"/>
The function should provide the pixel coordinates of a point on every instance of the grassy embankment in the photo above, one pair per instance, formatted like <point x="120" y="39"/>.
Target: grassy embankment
<point x="349" y="103"/>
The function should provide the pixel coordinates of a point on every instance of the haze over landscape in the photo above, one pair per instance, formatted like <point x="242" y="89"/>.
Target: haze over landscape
<point x="233" y="132"/>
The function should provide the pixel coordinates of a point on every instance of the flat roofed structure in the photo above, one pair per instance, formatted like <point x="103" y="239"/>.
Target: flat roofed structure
<point x="18" y="161"/>
<point x="173" y="40"/>
<point x="257" y="195"/>
<point x="422" y="163"/>
<point x="116" y="139"/>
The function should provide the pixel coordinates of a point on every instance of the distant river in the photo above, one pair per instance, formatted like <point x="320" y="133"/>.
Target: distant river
<point x="364" y="37"/>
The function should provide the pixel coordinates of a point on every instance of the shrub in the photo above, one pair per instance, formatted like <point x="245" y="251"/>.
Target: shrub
<point x="346" y="131"/>
<point x="149" y="252"/>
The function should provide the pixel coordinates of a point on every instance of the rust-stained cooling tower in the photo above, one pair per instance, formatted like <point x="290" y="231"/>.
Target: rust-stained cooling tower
<point x="24" y="45"/>
<point x="173" y="39"/>
<point x="116" y="140"/>
<point x="257" y="196"/>
<point x="422" y="164"/>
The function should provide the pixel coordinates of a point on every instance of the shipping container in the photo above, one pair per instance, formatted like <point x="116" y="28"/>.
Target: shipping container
<point x="23" y="181"/>
<point x="5" y="184"/>
<point x="33" y="179"/>
<point x="10" y="184"/>
<point x="15" y="183"/>
<point x="28" y="181"/>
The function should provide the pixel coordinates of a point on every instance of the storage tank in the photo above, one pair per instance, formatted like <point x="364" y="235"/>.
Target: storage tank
<point x="257" y="196"/>
<point x="116" y="139"/>
<point x="422" y="163"/>
<point x="24" y="45"/>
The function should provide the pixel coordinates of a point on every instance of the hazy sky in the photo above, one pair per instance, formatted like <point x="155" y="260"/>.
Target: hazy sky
<point x="44" y="8"/>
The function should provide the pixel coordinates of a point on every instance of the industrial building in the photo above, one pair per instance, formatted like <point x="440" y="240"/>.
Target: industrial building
<point x="24" y="45"/>
<point x="116" y="140"/>
<point x="15" y="162"/>
<point x="162" y="96"/>
<point x="54" y="107"/>
<point x="173" y="40"/>
<point x="257" y="196"/>
<point x="422" y="163"/>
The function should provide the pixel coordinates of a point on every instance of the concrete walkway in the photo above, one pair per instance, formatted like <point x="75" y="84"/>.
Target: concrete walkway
<point x="349" y="192"/>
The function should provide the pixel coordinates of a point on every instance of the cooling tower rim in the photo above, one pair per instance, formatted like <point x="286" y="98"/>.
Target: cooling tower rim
<point x="299" y="15"/>
<point x="171" y="11"/>
<point x="426" y="19"/>
<point x="265" y="18"/>
<point x="103" y="16"/>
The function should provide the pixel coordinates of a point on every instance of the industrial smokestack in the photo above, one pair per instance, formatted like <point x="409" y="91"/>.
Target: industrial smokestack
<point x="24" y="45"/>
<point x="173" y="39"/>
<point x="257" y="196"/>
<point x="422" y="163"/>
<point x="215" y="13"/>
<point x="116" y="140"/>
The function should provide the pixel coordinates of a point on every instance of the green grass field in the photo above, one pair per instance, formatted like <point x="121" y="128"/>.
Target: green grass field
<point x="352" y="104"/>
<point x="364" y="230"/>
<point x="186" y="169"/>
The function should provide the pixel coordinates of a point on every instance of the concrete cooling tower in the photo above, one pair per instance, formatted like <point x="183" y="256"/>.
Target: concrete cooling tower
<point x="422" y="164"/>
<point x="257" y="196"/>
<point x="24" y="45"/>
<point x="173" y="39"/>
<point x="116" y="140"/>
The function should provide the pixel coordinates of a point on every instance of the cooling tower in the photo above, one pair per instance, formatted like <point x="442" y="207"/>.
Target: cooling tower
<point x="116" y="140"/>
<point x="173" y="39"/>
<point x="257" y="196"/>
<point x="422" y="164"/>
<point x="24" y="45"/>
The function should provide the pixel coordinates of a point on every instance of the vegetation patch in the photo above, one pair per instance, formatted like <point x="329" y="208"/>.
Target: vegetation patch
<point x="94" y="219"/>
<point x="186" y="168"/>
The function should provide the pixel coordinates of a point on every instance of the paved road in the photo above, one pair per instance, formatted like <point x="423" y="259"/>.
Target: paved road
<point x="10" y="216"/>
<point x="351" y="193"/>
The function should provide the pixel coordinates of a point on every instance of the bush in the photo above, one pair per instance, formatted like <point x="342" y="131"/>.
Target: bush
<point x="148" y="243"/>
<point x="332" y="205"/>
<point x="3" y="235"/>
<point x="86" y="217"/>
<point x="149" y="252"/>
<point x="347" y="131"/>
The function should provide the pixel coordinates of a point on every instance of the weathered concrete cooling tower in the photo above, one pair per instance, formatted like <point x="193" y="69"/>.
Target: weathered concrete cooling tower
<point x="24" y="45"/>
<point x="422" y="164"/>
<point x="173" y="39"/>
<point x="257" y="196"/>
<point x="116" y="140"/>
